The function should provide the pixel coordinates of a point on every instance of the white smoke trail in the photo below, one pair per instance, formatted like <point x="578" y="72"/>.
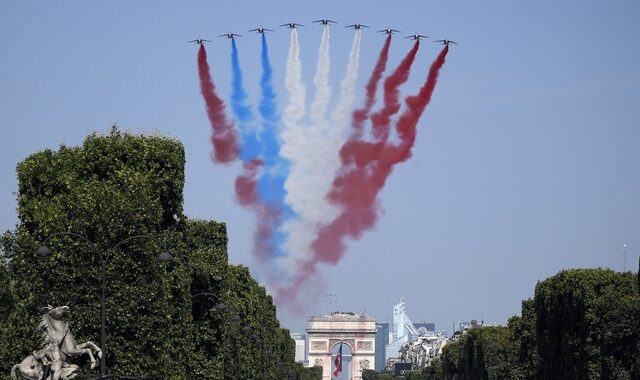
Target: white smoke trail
<point x="311" y="181"/>
<point x="295" y="109"/>
<point x="294" y="137"/>
<point x="341" y="117"/>
<point x="321" y="82"/>
<point x="307" y="183"/>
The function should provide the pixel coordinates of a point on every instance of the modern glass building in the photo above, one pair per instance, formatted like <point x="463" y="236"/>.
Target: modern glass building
<point x="382" y="339"/>
<point x="301" y="342"/>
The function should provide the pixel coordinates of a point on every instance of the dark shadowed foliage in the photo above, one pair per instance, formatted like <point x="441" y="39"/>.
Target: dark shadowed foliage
<point x="111" y="188"/>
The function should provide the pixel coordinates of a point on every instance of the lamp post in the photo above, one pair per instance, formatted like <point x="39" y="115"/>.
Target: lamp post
<point x="44" y="251"/>
<point x="221" y="307"/>
<point x="609" y="333"/>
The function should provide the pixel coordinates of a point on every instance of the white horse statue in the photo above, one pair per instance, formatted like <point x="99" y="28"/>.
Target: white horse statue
<point x="58" y="346"/>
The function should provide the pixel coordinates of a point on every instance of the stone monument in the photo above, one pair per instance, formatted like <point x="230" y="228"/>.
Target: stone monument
<point x="58" y="346"/>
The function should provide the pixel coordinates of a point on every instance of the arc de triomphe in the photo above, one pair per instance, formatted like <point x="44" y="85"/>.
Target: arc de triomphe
<point x="358" y="332"/>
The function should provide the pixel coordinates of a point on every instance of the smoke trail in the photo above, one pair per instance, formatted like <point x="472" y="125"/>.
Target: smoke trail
<point x="224" y="136"/>
<point x="295" y="149"/>
<point x="270" y="185"/>
<point x="321" y="82"/>
<point x="248" y="196"/>
<point x="381" y="119"/>
<point x="294" y="112"/>
<point x="268" y="112"/>
<point x="249" y="147"/>
<point x="357" y="187"/>
<point x="341" y="115"/>
<point x="310" y="177"/>
<point x="362" y="114"/>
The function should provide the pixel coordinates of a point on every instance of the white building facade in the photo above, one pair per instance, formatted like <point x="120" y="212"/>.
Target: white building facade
<point x="301" y="347"/>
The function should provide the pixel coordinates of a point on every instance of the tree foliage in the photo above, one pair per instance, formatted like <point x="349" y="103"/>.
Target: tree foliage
<point x="580" y="324"/>
<point x="587" y="324"/>
<point x="163" y="322"/>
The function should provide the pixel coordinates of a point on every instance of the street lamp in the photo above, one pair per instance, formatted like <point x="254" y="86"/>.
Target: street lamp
<point x="609" y="334"/>
<point x="606" y="335"/>
<point x="44" y="251"/>
<point x="221" y="307"/>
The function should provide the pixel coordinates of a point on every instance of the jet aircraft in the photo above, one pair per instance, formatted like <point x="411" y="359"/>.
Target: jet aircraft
<point x="230" y="36"/>
<point x="388" y="31"/>
<point x="446" y="42"/>
<point x="198" y="41"/>
<point x="417" y="37"/>
<point x="356" y="26"/>
<point x="261" y="30"/>
<point x="291" y="25"/>
<point x="325" y="21"/>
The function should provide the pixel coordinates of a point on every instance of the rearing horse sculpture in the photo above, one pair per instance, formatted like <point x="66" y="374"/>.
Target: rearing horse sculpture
<point x="58" y="346"/>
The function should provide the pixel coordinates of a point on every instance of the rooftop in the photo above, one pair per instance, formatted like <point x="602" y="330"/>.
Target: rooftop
<point x="341" y="316"/>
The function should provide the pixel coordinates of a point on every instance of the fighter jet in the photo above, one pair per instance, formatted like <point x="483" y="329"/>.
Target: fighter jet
<point x="198" y="41"/>
<point x="388" y="31"/>
<point x="230" y="36"/>
<point x="291" y="25"/>
<point x="417" y="37"/>
<point x="356" y="26"/>
<point x="446" y="42"/>
<point x="261" y="30"/>
<point x="325" y="21"/>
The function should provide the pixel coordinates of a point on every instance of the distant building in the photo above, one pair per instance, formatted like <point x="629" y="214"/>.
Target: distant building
<point x="355" y="334"/>
<point x="424" y="350"/>
<point x="403" y="332"/>
<point x="382" y="339"/>
<point x="427" y="326"/>
<point x="301" y="347"/>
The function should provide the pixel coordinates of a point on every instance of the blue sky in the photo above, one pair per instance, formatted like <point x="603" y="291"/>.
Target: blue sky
<point x="526" y="160"/>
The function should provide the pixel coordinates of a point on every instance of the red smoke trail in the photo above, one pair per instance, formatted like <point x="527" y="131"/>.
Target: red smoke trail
<point x="362" y="114"/>
<point x="247" y="196"/>
<point x="224" y="137"/>
<point x="357" y="187"/>
<point x="381" y="119"/>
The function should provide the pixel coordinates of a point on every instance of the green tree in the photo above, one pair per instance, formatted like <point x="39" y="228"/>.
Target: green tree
<point x="483" y="352"/>
<point x="433" y="371"/>
<point x="111" y="188"/>
<point x="585" y="320"/>
<point x="450" y="358"/>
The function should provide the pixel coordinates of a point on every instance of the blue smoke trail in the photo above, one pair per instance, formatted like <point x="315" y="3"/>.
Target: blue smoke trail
<point x="271" y="183"/>
<point x="250" y="146"/>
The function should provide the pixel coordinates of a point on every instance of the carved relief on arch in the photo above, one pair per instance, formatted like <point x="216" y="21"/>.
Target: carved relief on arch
<point x="364" y="364"/>
<point x="365" y="345"/>
<point x="318" y="345"/>
<point x="318" y="362"/>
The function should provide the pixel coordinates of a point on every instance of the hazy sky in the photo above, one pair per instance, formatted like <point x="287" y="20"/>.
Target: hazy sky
<point x="526" y="160"/>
